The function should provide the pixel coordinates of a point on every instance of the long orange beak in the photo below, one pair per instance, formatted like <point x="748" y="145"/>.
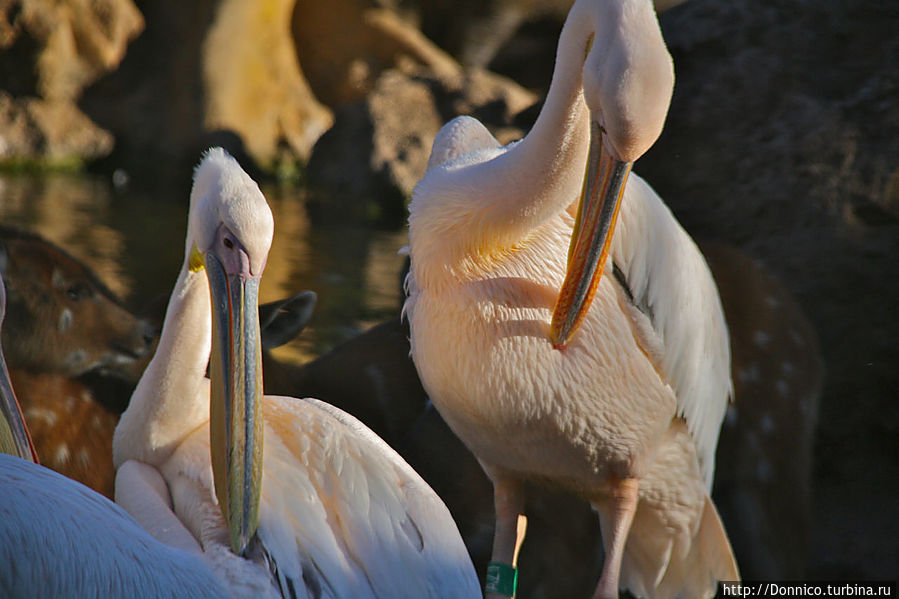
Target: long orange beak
<point x="236" y="426"/>
<point x="604" y="183"/>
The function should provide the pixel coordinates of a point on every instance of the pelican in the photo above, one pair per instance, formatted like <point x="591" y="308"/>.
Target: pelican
<point x="610" y="382"/>
<point x="326" y="509"/>
<point x="60" y="539"/>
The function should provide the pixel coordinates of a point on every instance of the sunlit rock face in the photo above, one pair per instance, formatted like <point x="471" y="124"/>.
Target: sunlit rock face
<point x="221" y="73"/>
<point x="378" y="148"/>
<point x="51" y="51"/>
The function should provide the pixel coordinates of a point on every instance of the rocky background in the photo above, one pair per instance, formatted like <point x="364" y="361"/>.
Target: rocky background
<point x="782" y="139"/>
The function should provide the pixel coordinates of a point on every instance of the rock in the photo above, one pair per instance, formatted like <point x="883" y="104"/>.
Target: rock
<point x="378" y="149"/>
<point x="476" y="31"/>
<point x="51" y="52"/>
<point x="781" y="138"/>
<point x="344" y="45"/>
<point x="68" y="44"/>
<point x="220" y="73"/>
<point x="53" y="133"/>
<point x="253" y="82"/>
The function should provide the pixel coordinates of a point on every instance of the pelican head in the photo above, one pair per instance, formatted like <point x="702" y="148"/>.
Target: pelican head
<point x="628" y="79"/>
<point x="230" y="231"/>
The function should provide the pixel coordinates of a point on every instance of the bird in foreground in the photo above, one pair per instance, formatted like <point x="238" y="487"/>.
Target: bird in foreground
<point x="327" y="509"/>
<point x="608" y="380"/>
<point x="58" y="538"/>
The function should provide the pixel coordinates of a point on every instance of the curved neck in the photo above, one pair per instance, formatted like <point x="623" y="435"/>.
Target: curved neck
<point x="562" y="128"/>
<point x="541" y="175"/>
<point x="172" y="397"/>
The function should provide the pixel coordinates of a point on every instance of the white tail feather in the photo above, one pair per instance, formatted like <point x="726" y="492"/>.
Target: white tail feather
<point x="664" y="563"/>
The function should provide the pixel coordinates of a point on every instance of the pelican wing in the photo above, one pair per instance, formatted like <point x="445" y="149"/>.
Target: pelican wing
<point x="677" y="312"/>
<point x="354" y="520"/>
<point x="60" y="539"/>
<point x="459" y="137"/>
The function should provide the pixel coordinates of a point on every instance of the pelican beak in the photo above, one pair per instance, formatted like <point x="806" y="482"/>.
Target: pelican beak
<point x="235" y="370"/>
<point x="14" y="436"/>
<point x="604" y="183"/>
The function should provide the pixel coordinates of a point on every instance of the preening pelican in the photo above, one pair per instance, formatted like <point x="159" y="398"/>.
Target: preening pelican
<point x="327" y="509"/>
<point x="60" y="539"/>
<point x="619" y="400"/>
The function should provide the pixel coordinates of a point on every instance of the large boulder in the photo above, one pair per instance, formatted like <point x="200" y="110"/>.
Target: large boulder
<point x="55" y="49"/>
<point x="51" y="51"/>
<point x="368" y="164"/>
<point x="45" y="132"/>
<point x="782" y="139"/>
<point x="220" y="73"/>
<point x="345" y="45"/>
<point x="254" y="84"/>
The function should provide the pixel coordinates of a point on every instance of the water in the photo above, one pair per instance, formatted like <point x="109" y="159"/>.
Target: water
<point x="134" y="240"/>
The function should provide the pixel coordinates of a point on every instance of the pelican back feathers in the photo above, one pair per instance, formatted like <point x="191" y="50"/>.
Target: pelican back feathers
<point x="60" y="539"/>
<point x="680" y="322"/>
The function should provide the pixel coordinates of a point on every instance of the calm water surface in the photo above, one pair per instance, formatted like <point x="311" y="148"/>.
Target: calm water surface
<point x="134" y="239"/>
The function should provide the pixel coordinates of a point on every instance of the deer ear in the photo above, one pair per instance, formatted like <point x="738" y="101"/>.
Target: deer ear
<point x="282" y="320"/>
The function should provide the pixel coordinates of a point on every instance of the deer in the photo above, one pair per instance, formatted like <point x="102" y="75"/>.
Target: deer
<point x="64" y="329"/>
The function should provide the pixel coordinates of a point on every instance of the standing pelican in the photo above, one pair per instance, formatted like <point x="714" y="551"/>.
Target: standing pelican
<point x="619" y="400"/>
<point x="327" y="509"/>
<point x="60" y="539"/>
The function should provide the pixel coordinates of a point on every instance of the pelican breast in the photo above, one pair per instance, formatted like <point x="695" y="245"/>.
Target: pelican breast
<point x="590" y="409"/>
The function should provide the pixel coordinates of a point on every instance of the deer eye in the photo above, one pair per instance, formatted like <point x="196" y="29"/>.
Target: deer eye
<point x="78" y="291"/>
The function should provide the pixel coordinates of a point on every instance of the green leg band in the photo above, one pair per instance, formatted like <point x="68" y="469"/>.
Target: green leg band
<point x="502" y="579"/>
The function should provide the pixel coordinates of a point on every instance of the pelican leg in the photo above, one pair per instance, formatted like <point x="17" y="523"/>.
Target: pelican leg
<point x="623" y="504"/>
<point x="511" y="523"/>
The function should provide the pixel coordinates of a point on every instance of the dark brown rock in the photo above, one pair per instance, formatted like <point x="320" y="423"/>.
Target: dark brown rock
<point x="345" y="45"/>
<point x="54" y="133"/>
<point x="378" y="149"/>
<point x="209" y="73"/>
<point x="782" y="138"/>
<point x="50" y="52"/>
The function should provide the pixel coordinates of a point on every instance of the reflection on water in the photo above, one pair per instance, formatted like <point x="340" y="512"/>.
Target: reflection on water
<point x="135" y="241"/>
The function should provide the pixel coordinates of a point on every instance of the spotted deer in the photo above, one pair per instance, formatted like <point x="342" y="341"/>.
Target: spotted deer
<point x="763" y="486"/>
<point x="65" y="334"/>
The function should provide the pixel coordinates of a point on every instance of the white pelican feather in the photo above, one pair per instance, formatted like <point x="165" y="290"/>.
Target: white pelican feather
<point x="61" y="539"/>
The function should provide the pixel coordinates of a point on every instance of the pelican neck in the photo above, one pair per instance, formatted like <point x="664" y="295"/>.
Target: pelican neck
<point x="564" y="111"/>
<point x="171" y="399"/>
